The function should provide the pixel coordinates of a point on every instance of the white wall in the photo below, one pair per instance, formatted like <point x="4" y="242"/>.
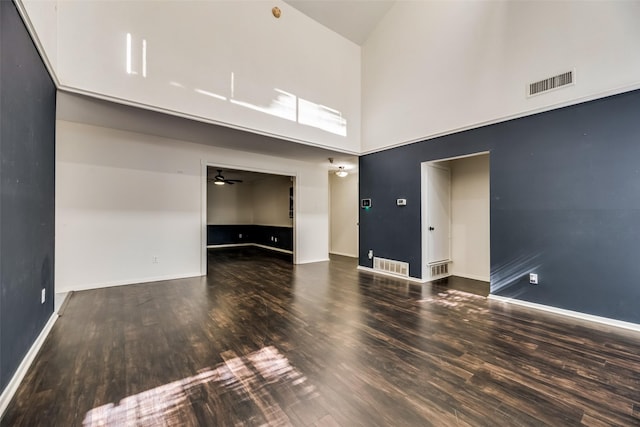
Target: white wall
<point x="470" y="240"/>
<point x="229" y="204"/>
<point x="343" y="214"/>
<point x="123" y="198"/>
<point x="229" y="62"/>
<point x="270" y="201"/>
<point x="434" y="67"/>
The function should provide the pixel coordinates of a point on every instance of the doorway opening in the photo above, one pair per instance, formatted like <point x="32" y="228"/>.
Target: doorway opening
<point x="343" y="214"/>
<point x="244" y="208"/>
<point x="456" y="218"/>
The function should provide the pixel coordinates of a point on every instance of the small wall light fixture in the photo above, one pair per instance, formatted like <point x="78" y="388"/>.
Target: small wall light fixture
<point x="341" y="172"/>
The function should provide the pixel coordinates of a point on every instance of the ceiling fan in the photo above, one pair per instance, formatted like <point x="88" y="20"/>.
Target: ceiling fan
<point x="221" y="180"/>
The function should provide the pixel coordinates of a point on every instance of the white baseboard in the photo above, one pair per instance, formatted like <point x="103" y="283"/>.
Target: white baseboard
<point x="569" y="313"/>
<point x="17" y="378"/>
<point x="343" y="254"/>
<point x="396" y="276"/>
<point x="311" y="261"/>
<point x="285" y="251"/>
<point x="471" y="276"/>
<point x="88" y="286"/>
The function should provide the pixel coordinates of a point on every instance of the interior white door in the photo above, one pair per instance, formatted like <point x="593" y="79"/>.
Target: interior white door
<point x="438" y="213"/>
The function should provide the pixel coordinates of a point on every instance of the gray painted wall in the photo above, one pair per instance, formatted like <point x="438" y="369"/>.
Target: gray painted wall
<point x="565" y="203"/>
<point x="27" y="153"/>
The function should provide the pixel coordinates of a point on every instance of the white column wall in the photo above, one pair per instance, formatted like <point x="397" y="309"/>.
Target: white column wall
<point x="123" y="199"/>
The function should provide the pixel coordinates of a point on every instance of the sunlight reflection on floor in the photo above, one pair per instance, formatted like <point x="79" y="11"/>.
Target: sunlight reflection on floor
<point x="455" y="299"/>
<point x="244" y="376"/>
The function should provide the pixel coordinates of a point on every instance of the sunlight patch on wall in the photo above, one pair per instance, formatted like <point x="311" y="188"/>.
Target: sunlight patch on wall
<point x="512" y="272"/>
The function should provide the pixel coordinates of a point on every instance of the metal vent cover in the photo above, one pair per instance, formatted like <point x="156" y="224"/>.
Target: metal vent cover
<point x="439" y="269"/>
<point x="391" y="266"/>
<point x="551" y="83"/>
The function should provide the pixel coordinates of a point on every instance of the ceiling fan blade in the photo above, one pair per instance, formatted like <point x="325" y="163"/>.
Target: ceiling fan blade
<point x="233" y="180"/>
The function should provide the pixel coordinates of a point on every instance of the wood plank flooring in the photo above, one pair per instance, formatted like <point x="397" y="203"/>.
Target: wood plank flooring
<point x="263" y="342"/>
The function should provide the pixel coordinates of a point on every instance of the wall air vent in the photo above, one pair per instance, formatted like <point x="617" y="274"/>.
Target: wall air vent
<point x="555" y="82"/>
<point x="390" y="266"/>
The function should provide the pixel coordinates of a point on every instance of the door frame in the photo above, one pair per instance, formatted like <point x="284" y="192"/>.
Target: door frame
<point x="424" y="211"/>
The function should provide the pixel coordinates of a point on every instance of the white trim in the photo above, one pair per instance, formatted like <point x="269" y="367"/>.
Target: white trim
<point x="470" y="276"/>
<point x="126" y="282"/>
<point x="203" y="215"/>
<point x="36" y="41"/>
<point x="395" y="276"/>
<point x="17" y="378"/>
<point x="569" y="313"/>
<point x="343" y="254"/>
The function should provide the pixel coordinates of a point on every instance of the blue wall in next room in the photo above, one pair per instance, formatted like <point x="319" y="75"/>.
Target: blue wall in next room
<point x="565" y="203"/>
<point x="266" y="235"/>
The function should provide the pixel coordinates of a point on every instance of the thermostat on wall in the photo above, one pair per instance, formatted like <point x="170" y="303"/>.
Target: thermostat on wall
<point x="401" y="202"/>
<point x="365" y="203"/>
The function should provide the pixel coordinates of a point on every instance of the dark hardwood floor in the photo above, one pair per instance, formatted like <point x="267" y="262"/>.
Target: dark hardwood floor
<point x="263" y="342"/>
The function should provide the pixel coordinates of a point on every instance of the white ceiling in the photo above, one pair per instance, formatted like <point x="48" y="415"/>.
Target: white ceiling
<point x="353" y="19"/>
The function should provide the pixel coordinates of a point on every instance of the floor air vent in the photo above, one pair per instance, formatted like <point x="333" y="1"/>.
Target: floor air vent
<point x="439" y="269"/>
<point x="554" y="82"/>
<point x="390" y="266"/>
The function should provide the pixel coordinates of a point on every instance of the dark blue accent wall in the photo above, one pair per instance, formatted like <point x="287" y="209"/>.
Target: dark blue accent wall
<point x="251" y="233"/>
<point x="565" y="203"/>
<point x="27" y="179"/>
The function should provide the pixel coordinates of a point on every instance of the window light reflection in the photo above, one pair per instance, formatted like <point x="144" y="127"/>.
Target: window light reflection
<point x="252" y="375"/>
<point x="128" y="50"/>
<point x="144" y="58"/>
<point x="282" y="104"/>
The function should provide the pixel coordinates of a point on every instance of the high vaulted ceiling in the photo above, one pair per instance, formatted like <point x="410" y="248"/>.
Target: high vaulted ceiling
<point x="353" y="19"/>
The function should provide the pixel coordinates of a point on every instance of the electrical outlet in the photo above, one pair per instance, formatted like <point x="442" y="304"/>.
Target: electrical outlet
<point x="275" y="239"/>
<point x="533" y="278"/>
<point x="155" y="260"/>
<point x="43" y="296"/>
<point x="240" y="236"/>
<point x="370" y="254"/>
<point x="272" y="238"/>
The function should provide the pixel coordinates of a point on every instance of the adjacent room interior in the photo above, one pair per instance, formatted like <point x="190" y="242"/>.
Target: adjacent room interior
<point x="250" y="209"/>
<point x="455" y="222"/>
